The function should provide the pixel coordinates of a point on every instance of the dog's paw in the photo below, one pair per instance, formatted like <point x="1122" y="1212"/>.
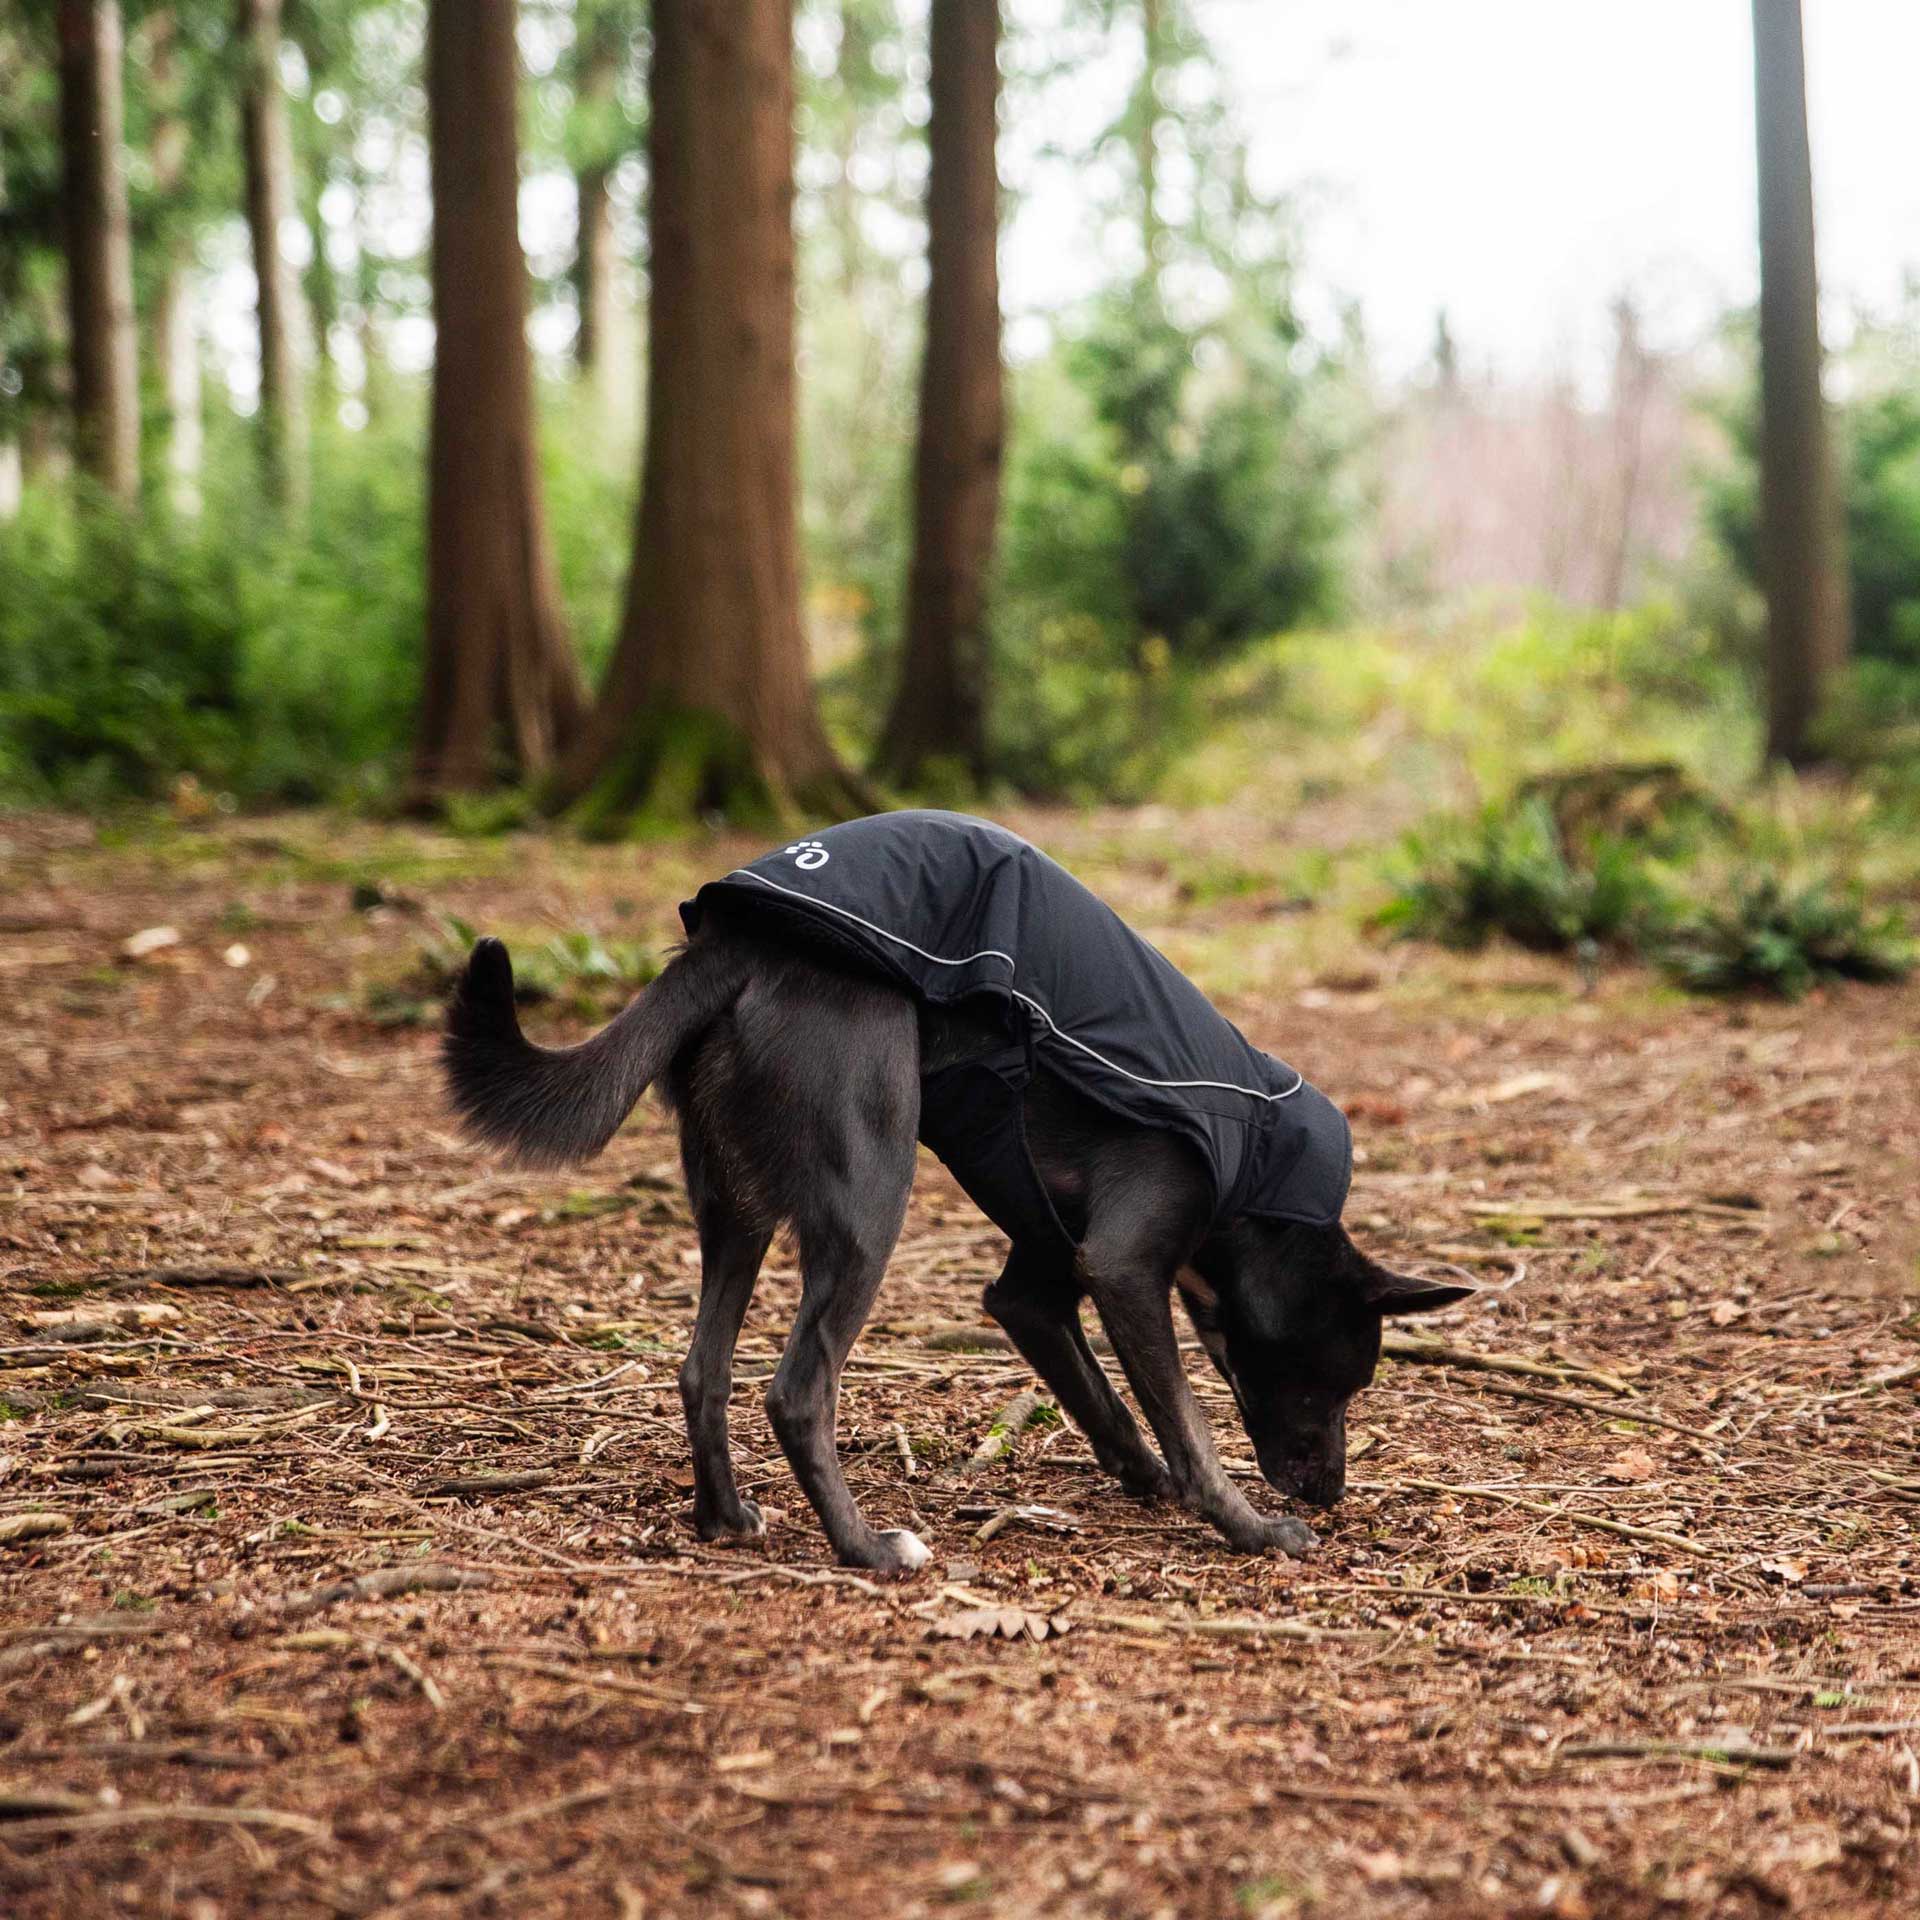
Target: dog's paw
<point x="899" y="1551"/>
<point x="1144" y="1479"/>
<point x="1282" y="1535"/>
<point x="746" y="1522"/>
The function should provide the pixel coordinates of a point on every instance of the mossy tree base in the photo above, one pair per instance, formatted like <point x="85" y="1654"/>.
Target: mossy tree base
<point x="686" y="766"/>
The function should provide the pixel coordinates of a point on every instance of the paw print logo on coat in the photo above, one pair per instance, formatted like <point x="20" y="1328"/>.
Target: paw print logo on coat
<point x="809" y="854"/>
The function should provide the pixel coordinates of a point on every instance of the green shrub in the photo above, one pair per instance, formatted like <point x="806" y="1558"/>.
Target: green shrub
<point x="1879" y="441"/>
<point x="578" y="969"/>
<point x="1171" y="499"/>
<point x="1770" y="937"/>
<point x="1221" y="483"/>
<point x="267" y="664"/>
<point x="270" y="663"/>
<point x="121" y="656"/>
<point x="1507" y="872"/>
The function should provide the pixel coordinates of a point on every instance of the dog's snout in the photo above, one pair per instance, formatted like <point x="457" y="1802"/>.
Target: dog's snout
<point x="1324" y="1489"/>
<point x="1316" y="1479"/>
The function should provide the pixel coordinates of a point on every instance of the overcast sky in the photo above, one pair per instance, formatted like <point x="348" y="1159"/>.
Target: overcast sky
<point x="1519" y="162"/>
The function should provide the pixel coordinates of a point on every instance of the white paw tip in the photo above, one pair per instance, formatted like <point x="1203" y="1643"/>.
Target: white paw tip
<point x="910" y="1547"/>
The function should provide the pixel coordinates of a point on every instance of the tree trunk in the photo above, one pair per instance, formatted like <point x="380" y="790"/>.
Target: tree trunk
<point x="1633" y="374"/>
<point x="596" y="257"/>
<point x="267" y="154"/>
<point x="708" y="705"/>
<point x="594" y="269"/>
<point x="939" y="709"/>
<point x="1803" y="563"/>
<point x="12" y="478"/>
<point x="1146" y="134"/>
<point x="173" y="336"/>
<point x="106" y="384"/>
<point x="321" y="291"/>
<point x="502" y="690"/>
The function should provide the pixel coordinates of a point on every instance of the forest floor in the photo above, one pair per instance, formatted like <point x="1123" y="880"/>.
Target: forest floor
<point x="1620" y="1615"/>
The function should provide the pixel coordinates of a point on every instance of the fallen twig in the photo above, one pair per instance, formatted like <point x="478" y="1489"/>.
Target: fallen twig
<point x="1231" y="1629"/>
<point x="1608" y="1409"/>
<point x="597" y="1683"/>
<point x="1012" y="1419"/>
<point x="1436" y="1353"/>
<point x="327" y="1639"/>
<point x="1638" y="1208"/>
<point x="64" y="1813"/>
<point x="1735" y="1753"/>
<point x="474" y="1483"/>
<point x="1652" y="1535"/>
<point x="545" y="1809"/>
<point x="18" y="1527"/>
<point x="180" y="1753"/>
<point x="383" y="1585"/>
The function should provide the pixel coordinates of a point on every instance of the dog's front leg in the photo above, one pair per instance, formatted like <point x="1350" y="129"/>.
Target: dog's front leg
<point x="1036" y="1301"/>
<point x="1137" y="1312"/>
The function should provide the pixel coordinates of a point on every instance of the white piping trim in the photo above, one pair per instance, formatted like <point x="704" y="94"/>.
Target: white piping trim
<point x="994" y="953"/>
<point x="813" y="900"/>
<point x="1222" y="1086"/>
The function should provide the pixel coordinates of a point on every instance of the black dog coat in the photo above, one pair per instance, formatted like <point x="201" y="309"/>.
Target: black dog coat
<point x="957" y="909"/>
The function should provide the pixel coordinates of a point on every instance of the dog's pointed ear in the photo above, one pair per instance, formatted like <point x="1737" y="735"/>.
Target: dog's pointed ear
<point x="1391" y="1293"/>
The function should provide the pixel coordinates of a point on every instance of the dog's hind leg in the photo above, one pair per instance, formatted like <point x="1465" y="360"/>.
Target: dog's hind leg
<point x="736" y="1228"/>
<point x="856" y="1094"/>
<point x="731" y="1250"/>
<point x="1037" y="1301"/>
<point x="845" y="1236"/>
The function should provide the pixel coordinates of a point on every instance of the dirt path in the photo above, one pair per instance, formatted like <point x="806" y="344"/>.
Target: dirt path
<point x="1636" y="1635"/>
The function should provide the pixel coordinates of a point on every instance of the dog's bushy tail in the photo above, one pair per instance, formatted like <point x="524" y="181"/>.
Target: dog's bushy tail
<point x="549" y="1106"/>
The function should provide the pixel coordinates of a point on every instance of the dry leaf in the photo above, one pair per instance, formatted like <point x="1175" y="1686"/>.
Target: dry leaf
<point x="1787" y="1572"/>
<point x="1658" y="1586"/>
<point x="1634" y="1465"/>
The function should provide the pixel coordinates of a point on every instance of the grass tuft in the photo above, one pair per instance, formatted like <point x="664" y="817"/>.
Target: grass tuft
<point x="1772" y="938"/>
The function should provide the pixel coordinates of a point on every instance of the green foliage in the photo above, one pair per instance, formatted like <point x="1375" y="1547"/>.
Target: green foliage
<point x="577" y="968"/>
<point x="268" y="665"/>
<point x="1879" y="444"/>
<point x="1771" y="937"/>
<point x="1220" y="482"/>
<point x="1507" y="872"/>
<point x="1481" y="699"/>
<point x="1170" y="499"/>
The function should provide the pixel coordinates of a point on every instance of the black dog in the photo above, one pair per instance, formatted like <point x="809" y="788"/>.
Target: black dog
<point x="1128" y="1139"/>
